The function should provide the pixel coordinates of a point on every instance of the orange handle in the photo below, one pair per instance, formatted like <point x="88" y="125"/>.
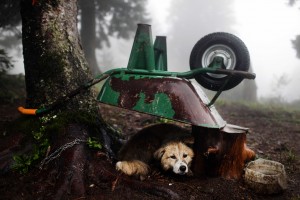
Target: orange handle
<point x="26" y="111"/>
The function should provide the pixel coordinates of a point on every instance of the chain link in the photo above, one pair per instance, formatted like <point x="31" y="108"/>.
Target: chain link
<point x="58" y="152"/>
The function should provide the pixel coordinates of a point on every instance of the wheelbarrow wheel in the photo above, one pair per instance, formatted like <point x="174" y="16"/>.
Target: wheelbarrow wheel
<point x="233" y="51"/>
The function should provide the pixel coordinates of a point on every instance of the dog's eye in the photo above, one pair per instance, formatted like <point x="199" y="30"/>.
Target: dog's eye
<point x="184" y="155"/>
<point x="173" y="157"/>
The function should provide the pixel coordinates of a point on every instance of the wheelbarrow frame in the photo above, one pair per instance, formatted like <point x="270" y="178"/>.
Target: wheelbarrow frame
<point x="148" y="61"/>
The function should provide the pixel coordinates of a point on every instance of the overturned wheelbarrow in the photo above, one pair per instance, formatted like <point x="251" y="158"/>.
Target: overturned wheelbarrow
<point x="218" y="61"/>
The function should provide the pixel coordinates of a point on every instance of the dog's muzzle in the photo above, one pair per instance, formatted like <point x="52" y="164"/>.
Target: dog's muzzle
<point x="180" y="168"/>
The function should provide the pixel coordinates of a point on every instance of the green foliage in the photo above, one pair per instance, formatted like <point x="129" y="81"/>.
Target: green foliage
<point x="94" y="143"/>
<point x="41" y="130"/>
<point x="41" y="144"/>
<point x="24" y="162"/>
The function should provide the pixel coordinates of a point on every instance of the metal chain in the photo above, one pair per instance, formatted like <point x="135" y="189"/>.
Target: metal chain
<point x="58" y="152"/>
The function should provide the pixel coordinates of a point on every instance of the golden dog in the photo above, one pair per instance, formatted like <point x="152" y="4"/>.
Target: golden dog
<point x="163" y="143"/>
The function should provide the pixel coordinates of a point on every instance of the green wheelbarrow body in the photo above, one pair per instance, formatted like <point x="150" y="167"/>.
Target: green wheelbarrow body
<point x="147" y="86"/>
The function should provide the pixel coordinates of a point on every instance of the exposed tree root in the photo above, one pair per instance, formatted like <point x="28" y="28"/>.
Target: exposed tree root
<point x="101" y="171"/>
<point x="73" y="171"/>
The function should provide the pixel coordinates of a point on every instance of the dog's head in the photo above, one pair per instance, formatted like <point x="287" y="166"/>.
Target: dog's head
<point x="175" y="156"/>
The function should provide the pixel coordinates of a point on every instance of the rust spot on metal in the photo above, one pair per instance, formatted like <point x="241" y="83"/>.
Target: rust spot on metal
<point x="183" y="96"/>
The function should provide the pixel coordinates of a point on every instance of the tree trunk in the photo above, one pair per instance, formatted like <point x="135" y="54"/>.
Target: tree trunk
<point x="220" y="153"/>
<point x="54" y="65"/>
<point x="88" y="33"/>
<point x="53" y="58"/>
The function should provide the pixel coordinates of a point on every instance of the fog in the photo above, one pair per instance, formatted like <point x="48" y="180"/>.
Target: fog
<point x="266" y="26"/>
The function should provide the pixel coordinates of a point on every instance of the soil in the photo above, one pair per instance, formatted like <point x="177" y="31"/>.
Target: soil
<point x="274" y="134"/>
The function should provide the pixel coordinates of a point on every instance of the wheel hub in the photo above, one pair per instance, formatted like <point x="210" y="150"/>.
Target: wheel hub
<point x="219" y="50"/>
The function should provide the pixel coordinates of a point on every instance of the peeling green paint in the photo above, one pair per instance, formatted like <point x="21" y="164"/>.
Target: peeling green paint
<point x="160" y="106"/>
<point x="108" y="95"/>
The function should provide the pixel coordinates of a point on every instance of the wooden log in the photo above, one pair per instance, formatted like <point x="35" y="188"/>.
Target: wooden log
<point x="220" y="153"/>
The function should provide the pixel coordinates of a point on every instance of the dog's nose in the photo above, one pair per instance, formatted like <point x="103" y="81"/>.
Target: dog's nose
<point x="182" y="168"/>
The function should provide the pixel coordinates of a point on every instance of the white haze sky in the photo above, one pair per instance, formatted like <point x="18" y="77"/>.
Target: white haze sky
<point x="267" y="28"/>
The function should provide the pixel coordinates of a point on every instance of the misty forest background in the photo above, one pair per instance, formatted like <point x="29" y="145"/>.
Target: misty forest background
<point x="104" y="22"/>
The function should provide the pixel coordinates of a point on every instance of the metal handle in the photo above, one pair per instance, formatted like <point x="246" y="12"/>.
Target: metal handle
<point x="247" y="75"/>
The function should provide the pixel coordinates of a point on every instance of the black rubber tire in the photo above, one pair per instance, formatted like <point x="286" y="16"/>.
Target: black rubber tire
<point x="220" y="38"/>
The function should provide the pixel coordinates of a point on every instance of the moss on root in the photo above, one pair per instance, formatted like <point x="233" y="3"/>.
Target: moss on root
<point x="42" y="132"/>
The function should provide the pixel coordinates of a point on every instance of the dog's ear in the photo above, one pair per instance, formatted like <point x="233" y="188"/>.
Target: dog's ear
<point x="159" y="153"/>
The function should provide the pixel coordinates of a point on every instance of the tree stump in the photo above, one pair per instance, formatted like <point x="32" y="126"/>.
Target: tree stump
<point x="220" y="152"/>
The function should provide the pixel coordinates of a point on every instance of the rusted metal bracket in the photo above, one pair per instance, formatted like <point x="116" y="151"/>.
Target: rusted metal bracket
<point x="219" y="92"/>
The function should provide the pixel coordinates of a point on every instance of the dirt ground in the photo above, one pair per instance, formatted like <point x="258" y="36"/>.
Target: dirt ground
<point x="275" y="135"/>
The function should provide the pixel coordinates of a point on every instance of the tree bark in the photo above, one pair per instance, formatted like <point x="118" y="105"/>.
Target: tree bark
<point x="220" y="153"/>
<point x="53" y="58"/>
<point x="88" y="33"/>
<point x="54" y="65"/>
